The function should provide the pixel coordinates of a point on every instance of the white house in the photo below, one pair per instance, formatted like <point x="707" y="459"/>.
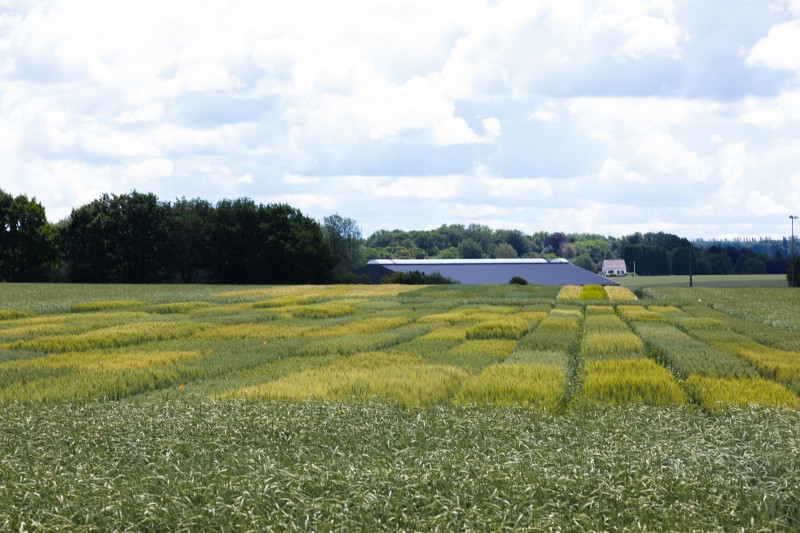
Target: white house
<point x="614" y="267"/>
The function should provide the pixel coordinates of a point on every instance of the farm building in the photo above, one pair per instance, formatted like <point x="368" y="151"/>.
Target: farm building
<point x="614" y="267"/>
<point x="488" y="271"/>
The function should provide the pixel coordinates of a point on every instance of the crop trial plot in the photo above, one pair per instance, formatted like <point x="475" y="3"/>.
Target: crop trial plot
<point x="399" y="407"/>
<point x="534" y="347"/>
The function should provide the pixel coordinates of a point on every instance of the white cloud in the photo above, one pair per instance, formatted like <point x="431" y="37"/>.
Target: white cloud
<point x="671" y="157"/>
<point x="778" y="49"/>
<point x="205" y="76"/>
<point x="763" y="205"/>
<point x="646" y="28"/>
<point x="544" y="115"/>
<point x="525" y="190"/>
<point x="151" y="169"/>
<point x="615" y="171"/>
<point x="420" y="113"/>
<point x="771" y="112"/>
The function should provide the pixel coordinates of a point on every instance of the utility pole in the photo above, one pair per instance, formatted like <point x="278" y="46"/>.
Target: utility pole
<point x="791" y="281"/>
<point x="691" y="256"/>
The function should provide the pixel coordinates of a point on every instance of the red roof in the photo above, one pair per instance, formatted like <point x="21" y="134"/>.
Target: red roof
<point x="614" y="264"/>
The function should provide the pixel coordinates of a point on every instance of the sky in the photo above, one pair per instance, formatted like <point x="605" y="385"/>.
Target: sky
<point x="605" y="116"/>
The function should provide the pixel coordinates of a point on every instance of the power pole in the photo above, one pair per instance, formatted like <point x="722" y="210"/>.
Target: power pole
<point x="791" y="281"/>
<point x="691" y="256"/>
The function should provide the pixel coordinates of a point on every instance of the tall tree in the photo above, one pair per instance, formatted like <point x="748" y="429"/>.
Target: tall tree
<point x="190" y="238"/>
<point x="120" y="239"/>
<point x="267" y="244"/>
<point x="140" y="247"/>
<point x="27" y="241"/>
<point x="86" y="242"/>
<point x="344" y="238"/>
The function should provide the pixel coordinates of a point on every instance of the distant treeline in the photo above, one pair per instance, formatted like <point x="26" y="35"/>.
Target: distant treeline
<point x="137" y="238"/>
<point x="652" y="254"/>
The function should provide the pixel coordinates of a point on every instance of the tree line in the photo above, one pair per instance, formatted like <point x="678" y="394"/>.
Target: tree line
<point x="651" y="254"/>
<point x="137" y="238"/>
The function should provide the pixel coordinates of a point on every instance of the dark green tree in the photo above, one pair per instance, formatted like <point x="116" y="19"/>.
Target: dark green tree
<point x="470" y="249"/>
<point x="680" y="258"/>
<point x="584" y="261"/>
<point x="268" y="244"/>
<point x="650" y="260"/>
<point x="554" y="243"/>
<point x="190" y="238"/>
<point x="120" y="239"/>
<point x="344" y="238"/>
<point x="27" y="241"/>
<point x="86" y="242"/>
<point x="140" y="232"/>
<point x="796" y="272"/>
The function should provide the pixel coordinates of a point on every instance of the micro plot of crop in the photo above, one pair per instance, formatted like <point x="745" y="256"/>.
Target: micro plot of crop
<point x="437" y="371"/>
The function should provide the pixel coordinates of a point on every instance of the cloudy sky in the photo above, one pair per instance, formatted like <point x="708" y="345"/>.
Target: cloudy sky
<point x="605" y="116"/>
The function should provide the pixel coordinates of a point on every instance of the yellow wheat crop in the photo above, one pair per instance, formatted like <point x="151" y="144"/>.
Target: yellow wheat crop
<point x="716" y="393"/>
<point x="368" y="325"/>
<point x="620" y="381"/>
<point x="538" y="386"/>
<point x="570" y="292"/>
<point x="398" y="378"/>
<point x="619" y="293"/>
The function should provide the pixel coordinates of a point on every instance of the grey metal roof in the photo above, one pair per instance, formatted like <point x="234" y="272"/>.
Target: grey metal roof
<point x="489" y="271"/>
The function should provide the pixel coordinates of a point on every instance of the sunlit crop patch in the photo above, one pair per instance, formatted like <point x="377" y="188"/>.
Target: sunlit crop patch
<point x="532" y="317"/>
<point x="397" y="378"/>
<point x="506" y="328"/>
<point x="618" y="293"/>
<point x="611" y="344"/>
<point x="265" y="331"/>
<point x="537" y="386"/>
<point x="639" y="380"/>
<point x="368" y="325"/>
<point x="102" y="360"/>
<point x="325" y="310"/>
<point x="570" y="292"/>
<point x="365" y="342"/>
<point x="665" y="309"/>
<point x="699" y="323"/>
<point x="593" y="292"/>
<point x="178" y="307"/>
<point x="10" y="314"/>
<point x="781" y="365"/>
<point x="718" y="393"/>
<point x="637" y="313"/>
<point x="112" y="337"/>
<point x="113" y="374"/>
<point x="456" y="333"/>
<point x="310" y="293"/>
<point x="495" y="348"/>
<point x="105" y="305"/>
<point x="599" y="310"/>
